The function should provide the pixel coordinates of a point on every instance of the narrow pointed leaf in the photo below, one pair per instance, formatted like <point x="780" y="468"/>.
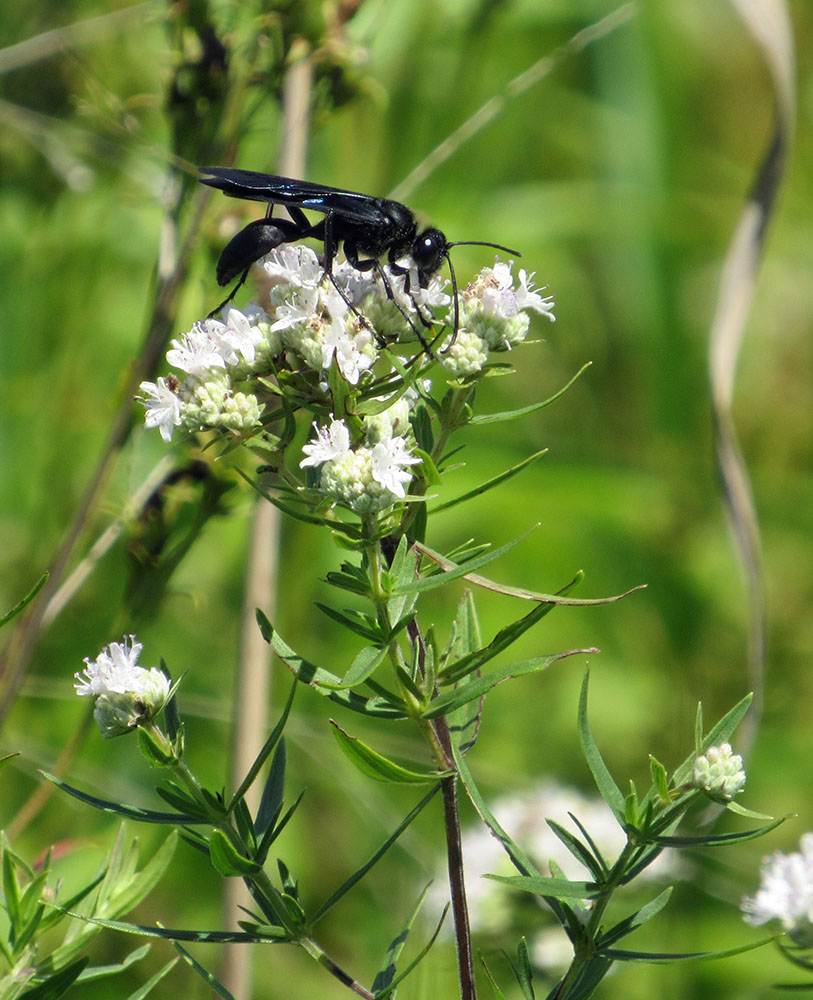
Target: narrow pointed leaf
<point x="271" y="801"/>
<point x="519" y="859"/>
<point x="390" y="989"/>
<point x="376" y="765"/>
<point x="227" y="859"/>
<point x="129" y="812"/>
<point x="489" y="484"/>
<point x="274" y="738"/>
<point x="446" y="576"/>
<point x="23" y="604"/>
<point x="579" y="850"/>
<point x="365" y="663"/>
<point x="636" y="920"/>
<point x="666" y="958"/>
<point x="57" y="984"/>
<point x="544" y="885"/>
<point x="372" y="633"/>
<point x="147" y="988"/>
<point x="325" y="683"/>
<point x="608" y="789"/>
<point x="448" y="702"/>
<point x="208" y="977"/>
<point x="374" y="858"/>
<point x="386" y="973"/>
<point x="493" y="418"/>
<point x="103" y="971"/>
<point x="522" y="970"/>
<point x="721" y="839"/>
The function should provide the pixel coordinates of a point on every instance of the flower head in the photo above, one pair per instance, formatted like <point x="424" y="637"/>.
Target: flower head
<point x="786" y="892"/>
<point x="719" y="772"/>
<point x="126" y="694"/>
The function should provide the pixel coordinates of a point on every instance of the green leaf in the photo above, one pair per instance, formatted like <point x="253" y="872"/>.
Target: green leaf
<point x="354" y="621"/>
<point x="452" y="700"/>
<point x="376" y="765"/>
<point x="129" y="812"/>
<point x="660" y="781"/>
<point x="390" y="989"/>
<point x="489" y="484"/>
<point x="154" y="750"/>
<point x="58" y="984"/>
<point x="11" y="895"/>
<point x="520" y="860"/>
<point x="493" y="418"/>
<point x="365" y="663"/>
<point x="23" y="604"/>
<point x="327" y="684"/>
<point x="580" y="851"/>
<point x="666" y="958"/>
<point x="386" y="973"/>
<point x="375" y="857"/>
<point x="104" y="971"/>
<point x="271" y="801"/>
<point x="522" y="970"/>
<point x="147" y="988"/>
<point x="446" y="576"/>
<point x="262" y="756"/>
<point x="608" y="789"/>
<point x="501" y="641"/>
<point x="544" y="885"/>
<point x="635" y="920"/>
<point x="207" y="976"/>
<point x="720" y="839"/>
<point x="176" y="796"/>
<point x="227" y="860"/>
<point x="464" y="721"/>
<point x="498" y="993"/>
<point x="740" y="810"/>
<point x="403" y="571"/>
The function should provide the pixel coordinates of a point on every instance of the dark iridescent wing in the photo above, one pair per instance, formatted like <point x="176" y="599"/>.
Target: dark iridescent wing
<point x="253" y="186"/>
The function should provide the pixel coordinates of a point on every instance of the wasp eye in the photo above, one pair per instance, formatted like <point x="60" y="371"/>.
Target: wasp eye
<point x="429" y="250"/>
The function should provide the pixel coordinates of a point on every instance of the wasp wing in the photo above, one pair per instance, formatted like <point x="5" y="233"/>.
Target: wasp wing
<point x="254" y="186"/>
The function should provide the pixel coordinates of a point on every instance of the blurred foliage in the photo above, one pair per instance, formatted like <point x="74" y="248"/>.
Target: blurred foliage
<point x="620" y="175"/>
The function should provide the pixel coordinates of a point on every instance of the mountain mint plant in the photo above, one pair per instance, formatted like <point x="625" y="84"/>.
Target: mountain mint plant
<point x="349" y="389"/>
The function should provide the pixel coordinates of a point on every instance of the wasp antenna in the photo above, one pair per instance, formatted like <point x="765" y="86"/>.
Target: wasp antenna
<point x="480" y="243"/>
<point x="456" y="305"/>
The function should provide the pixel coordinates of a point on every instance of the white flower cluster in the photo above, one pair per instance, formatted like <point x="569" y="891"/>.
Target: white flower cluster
<point x="126" y="694"/>
<point x="371" y="476"/>
<point x="719" y="772"/>
<point x="493" y="317"/>
<point x="786" y="892"/>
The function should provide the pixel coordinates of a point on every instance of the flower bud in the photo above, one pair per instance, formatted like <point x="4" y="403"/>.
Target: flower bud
<point x="719" y="772"/>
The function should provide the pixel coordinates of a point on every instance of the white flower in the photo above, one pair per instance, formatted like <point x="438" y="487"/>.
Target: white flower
<point x="114" y="670"/>
<point x="330" y="443"/>
<point x="126" y="694"/>
<point x="719" y="772"/>
<point x="295" y="265"/>
<point x="162" y="405"/>
<point x="786" y="892"/>
<point x="242" y="333"/>
<point x="388" y="459"/>
<point x="200" y="349"/>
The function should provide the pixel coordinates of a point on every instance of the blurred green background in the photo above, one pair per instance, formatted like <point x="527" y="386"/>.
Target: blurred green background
<point x="620" y="175"/>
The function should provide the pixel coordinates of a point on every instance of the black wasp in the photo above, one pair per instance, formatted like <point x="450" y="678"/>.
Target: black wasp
<point x="368" y="227"/>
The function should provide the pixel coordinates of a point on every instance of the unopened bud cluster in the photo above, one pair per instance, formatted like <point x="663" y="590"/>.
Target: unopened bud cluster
<point x="719" y="772"/>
